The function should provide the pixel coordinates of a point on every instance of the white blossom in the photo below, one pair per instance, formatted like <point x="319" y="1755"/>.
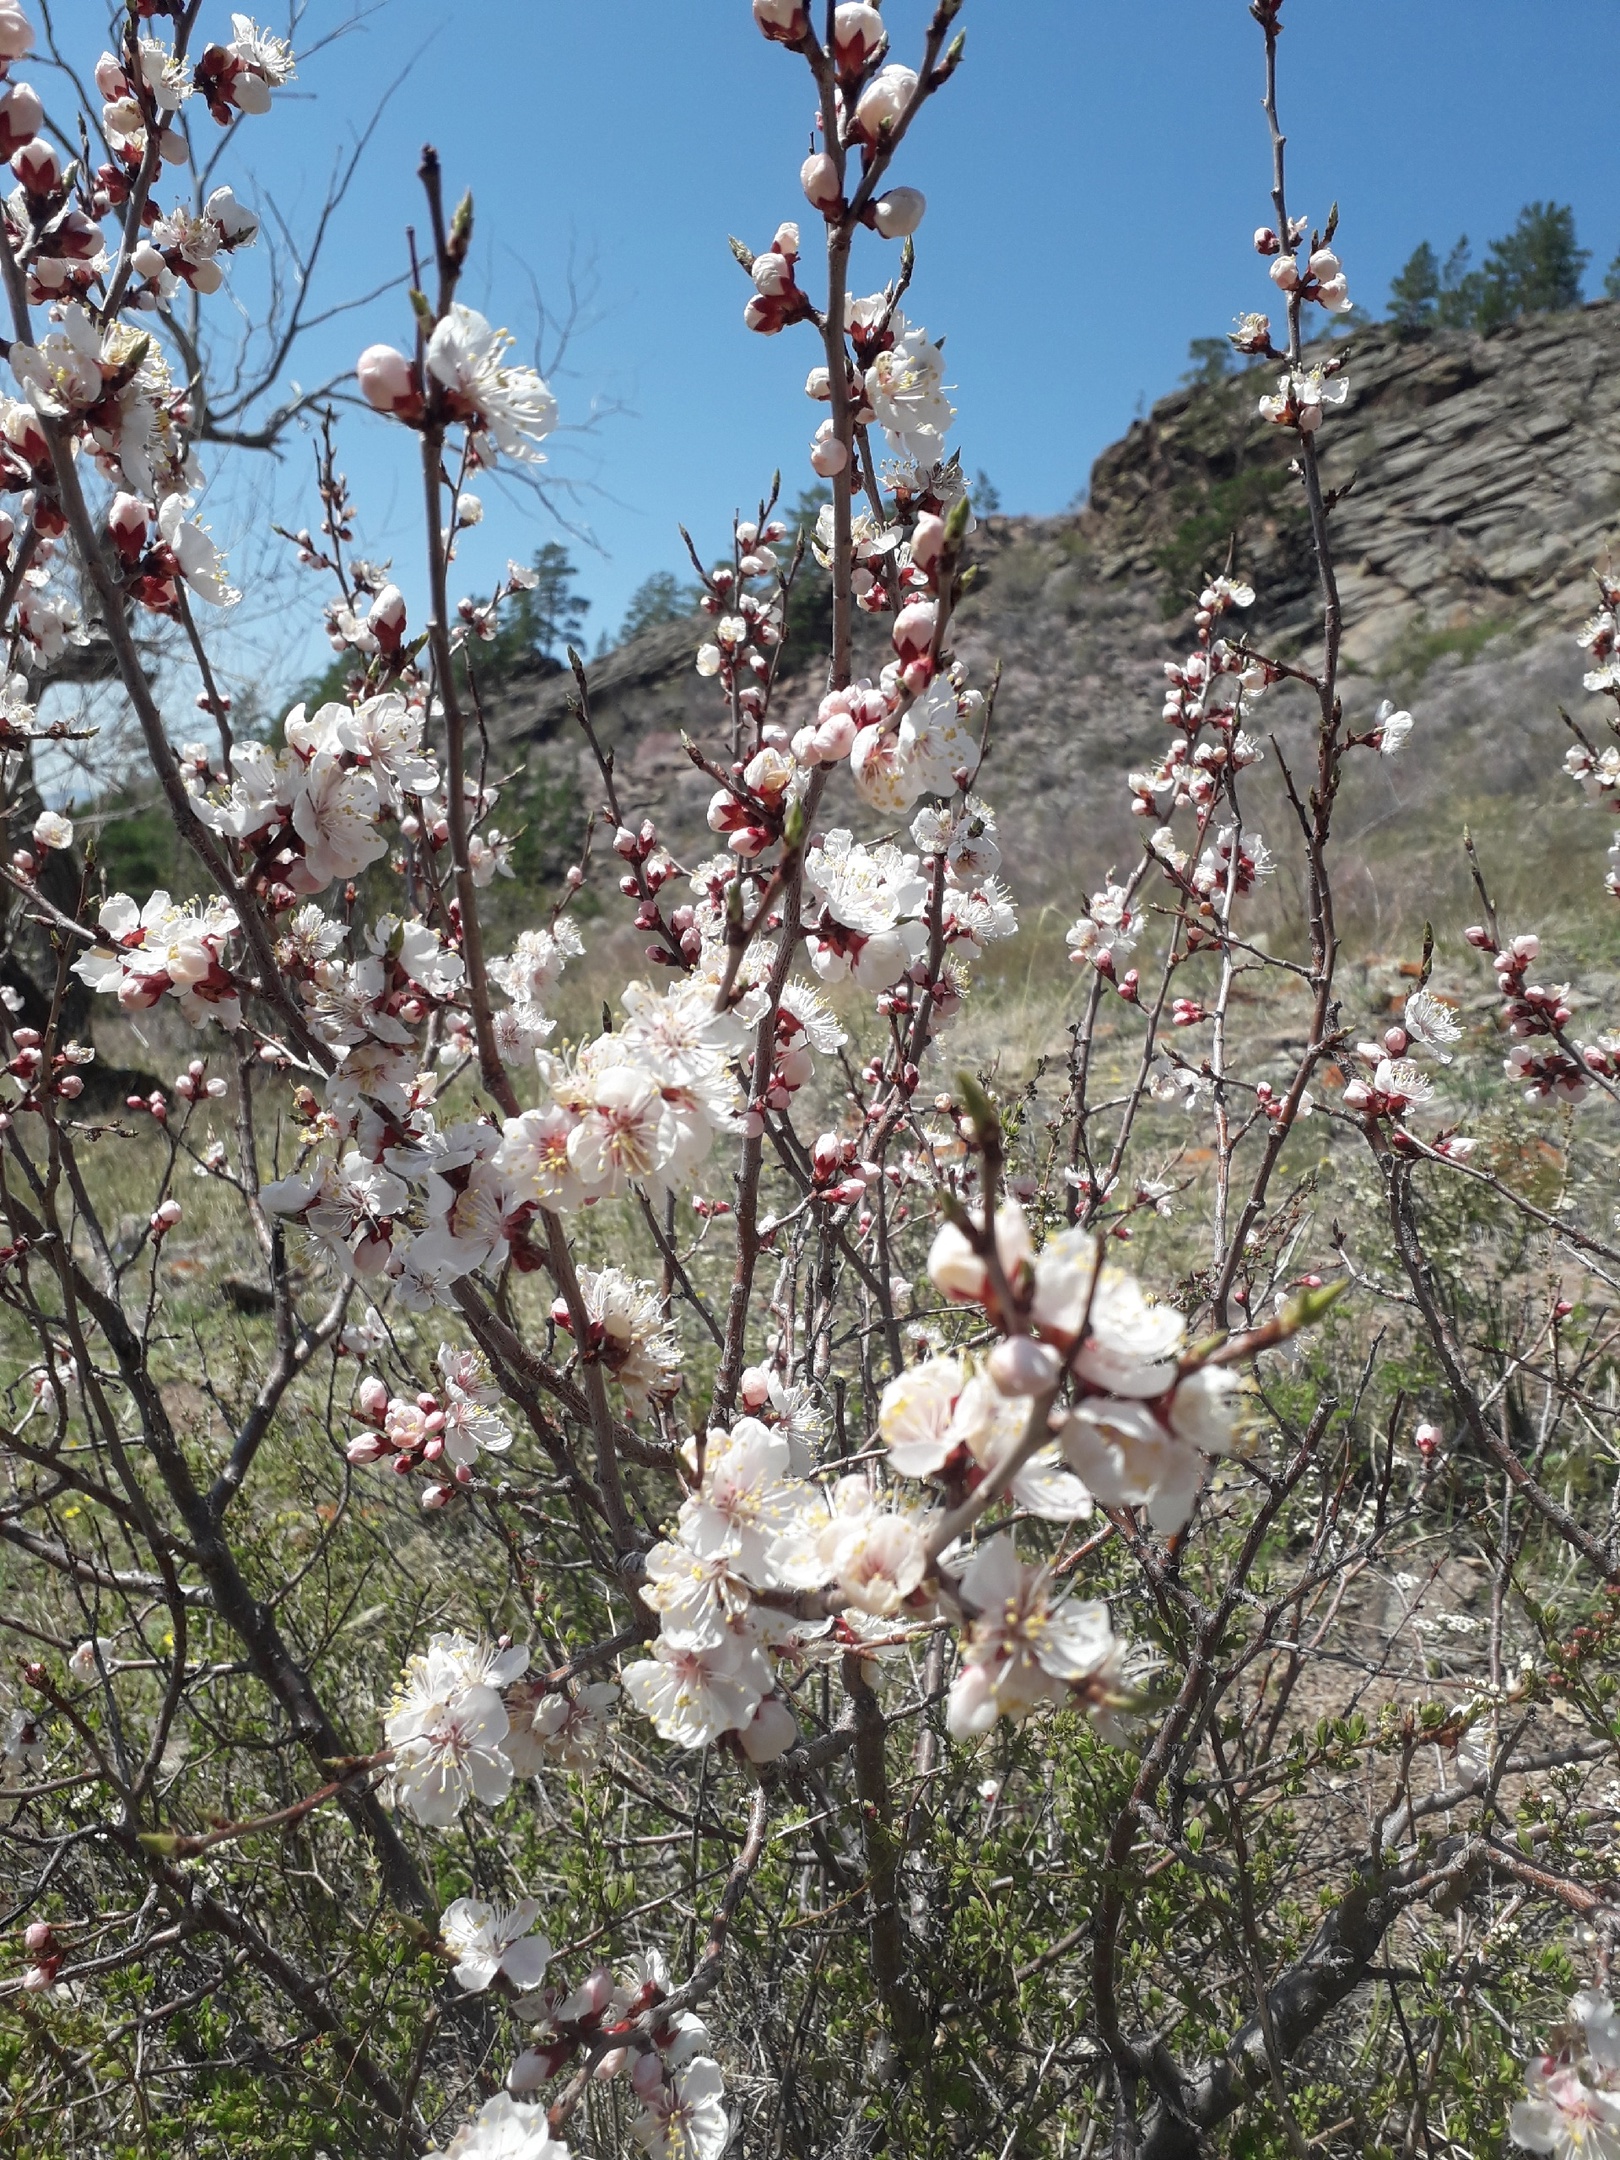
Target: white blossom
<point x="1390" y="728"/>
<point x="1021" y="1648"/>
<point x="905" y="387"/>
<point x="684" y="2119"/>
<point x="509" y="404"/>
<point x="504" y="2129"/>
<point x="1431" y="1022"/>
<point x="490" y="1941"/>
<point x="446" y="1724"/>
<point x="692" y="1696"/>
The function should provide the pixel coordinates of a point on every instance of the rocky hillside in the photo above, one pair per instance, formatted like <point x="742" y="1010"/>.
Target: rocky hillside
<point x="1482" y="479"/>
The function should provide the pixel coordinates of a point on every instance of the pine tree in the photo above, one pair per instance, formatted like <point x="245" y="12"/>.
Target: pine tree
<point x="1534" y="270"/>
<point x="1208" y="361"/>
<point x="1414" y="296"/>
<point x="1461" y="290"/>
<point x="544" y="622"/>
<point x="661" y="598"/>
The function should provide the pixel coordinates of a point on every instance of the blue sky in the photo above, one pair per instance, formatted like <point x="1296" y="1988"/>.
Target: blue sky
<point x="1094" y="173"/>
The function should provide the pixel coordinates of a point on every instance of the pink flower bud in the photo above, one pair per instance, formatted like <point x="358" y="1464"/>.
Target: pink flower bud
<point x="1023" y="1366"/>
<point x="388" y="381"/>
<point x="818" y="176"/>
<point x="828" y="455"/>
<point x="928" y="541"/>
<point x="168" y="1214"/>
<point x="21" y="117"/>
<point x="647" y="2078"/>
<point x="898" y="213"/>
<point x="786" y="243"/>
<point x="37" y="1937"/>
<point x="1265" y="241"/>
<point x="16" y="32"/>
<point x="754" y="1388"/>
<point x="435" y="1497"/>
<point x="593" y="1994"/>
<point x="784" y="22"/>
<point x="834" y="738"/>
<point x="366" y="1448"/>
<point x="883" y="100"/>
<point x="772" y="274"/>
<point x="71" y="1086"/>
<point x="858" y="35"/>
<point x="36" y="166"/>
<point x="1285" y="273"/>
<point x="373" y="1398"/>
<point x="385" y="618"/>
<point x="111" y="80"/>
<point x="127" y="523"/>
<point x="913" y="631"/>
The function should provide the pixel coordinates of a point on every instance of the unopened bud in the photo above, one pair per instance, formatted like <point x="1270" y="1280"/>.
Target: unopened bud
<point x="898" y="213"/>
<point x="884" y="99"/>
<point x="1023" y="1366"/>
<point x="818" y="176"/>
<point x="21" y="117"/>
<point x="36" y="166"/>
<point x="784" y="22"/>
<point x="388" y="381"/>
<point x="828" y="456"/>
<point x="858" y="35"/>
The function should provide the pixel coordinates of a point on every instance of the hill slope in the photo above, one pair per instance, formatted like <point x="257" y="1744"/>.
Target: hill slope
<point x="1484" y="479"/>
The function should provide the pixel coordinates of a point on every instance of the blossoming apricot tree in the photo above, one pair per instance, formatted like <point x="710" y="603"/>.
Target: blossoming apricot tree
<point x="715" y="1561"/>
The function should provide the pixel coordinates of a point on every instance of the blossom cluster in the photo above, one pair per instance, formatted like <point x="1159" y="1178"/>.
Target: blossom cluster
<point x="443" y="1430"/>
<point x="465" y="1722"/>
<point x="618" y="2021"/>
<point x="99" y="378"/>
<point x="1598" y="771"/>
<point x="1543" y="1060"/>
<point x="1572" y="2103"/>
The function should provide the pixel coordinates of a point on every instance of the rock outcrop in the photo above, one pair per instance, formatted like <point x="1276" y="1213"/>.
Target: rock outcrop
<point x="1479" y="479"/>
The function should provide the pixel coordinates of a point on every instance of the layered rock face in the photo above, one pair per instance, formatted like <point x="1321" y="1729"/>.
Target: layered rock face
<point x="1479" y="480"/>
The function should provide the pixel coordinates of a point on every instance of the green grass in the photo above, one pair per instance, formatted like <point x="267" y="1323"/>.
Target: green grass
<point x="1418" y="648"/>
